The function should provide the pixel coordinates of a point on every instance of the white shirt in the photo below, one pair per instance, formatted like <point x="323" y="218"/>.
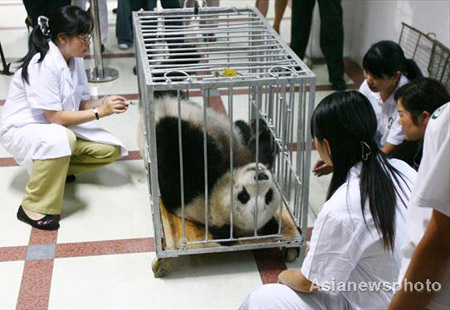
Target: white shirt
<point x="343" y="249"/>
<point x="53" y="85"/>
<point x="388" y="129"/>
<point x="431" y="191"/>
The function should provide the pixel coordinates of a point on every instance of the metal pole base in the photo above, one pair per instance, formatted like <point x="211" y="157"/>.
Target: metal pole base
<point x="94" y="76"/>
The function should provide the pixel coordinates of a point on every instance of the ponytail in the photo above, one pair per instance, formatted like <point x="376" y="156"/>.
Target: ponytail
<point x="348" y="122"/>
<point x="412" y="70"/>
<point x="386" y="58"/>
<point x="68" y="20"/>
<point x="37" y="43"/>
<point x="377" y="187"/>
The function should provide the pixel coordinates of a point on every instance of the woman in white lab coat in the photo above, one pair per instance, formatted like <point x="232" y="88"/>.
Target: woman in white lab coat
<point x="385" y="70"/>
<point x="49" y="121"/>
<point x="356" y="240"/>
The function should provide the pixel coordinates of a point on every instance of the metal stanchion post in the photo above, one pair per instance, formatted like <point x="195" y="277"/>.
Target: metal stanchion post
<point x="99" y="73"/>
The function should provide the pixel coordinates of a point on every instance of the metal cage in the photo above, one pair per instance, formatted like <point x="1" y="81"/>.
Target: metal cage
<point x="432" y="57"/>
<point x="232" y="53"/>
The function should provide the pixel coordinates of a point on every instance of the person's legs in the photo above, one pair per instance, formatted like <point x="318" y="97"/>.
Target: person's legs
<point x="44" y="191"/>
<point x="124" y="24"/>
<point x="332" y="38"/>
<point x="302" y="11"/>
<point x="79" y="3"/>
<point x="53" y="5"/>
<point x="35" y="8"/>
<point x="262" y="6"/>
<point x="103" y="15"/>
<point x="172" y="4"/>
<point x="88" y="156"/>
<point x="278" y="296"/>
<point x="280" y="7"/>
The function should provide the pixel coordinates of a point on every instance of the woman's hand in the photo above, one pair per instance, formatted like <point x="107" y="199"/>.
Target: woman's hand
<point x="321" y="168"/>
<point x="112" y="105"/>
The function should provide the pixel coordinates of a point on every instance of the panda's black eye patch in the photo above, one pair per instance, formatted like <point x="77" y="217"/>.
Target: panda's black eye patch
<point x="243" y="196"/>
<point x="268" y="197"/>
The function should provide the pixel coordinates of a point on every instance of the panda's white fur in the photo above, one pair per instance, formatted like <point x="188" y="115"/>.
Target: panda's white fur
<point x="243" y="214"/>
<point x="245" y="173"/>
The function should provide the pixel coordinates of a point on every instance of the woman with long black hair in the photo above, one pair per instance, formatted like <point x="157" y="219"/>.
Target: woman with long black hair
<point x="48" y="121"/>
<point x="358" y="234"/>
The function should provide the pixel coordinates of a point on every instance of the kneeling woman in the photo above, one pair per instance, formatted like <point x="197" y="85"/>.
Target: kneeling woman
<point x="358" y="233"/>
<point x="48" y="121"/>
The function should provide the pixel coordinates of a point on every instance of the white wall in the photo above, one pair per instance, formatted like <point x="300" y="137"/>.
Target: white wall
<point x="314" y="50"/>
<point x="381" y="20"/>
<point x="369" y="21"/>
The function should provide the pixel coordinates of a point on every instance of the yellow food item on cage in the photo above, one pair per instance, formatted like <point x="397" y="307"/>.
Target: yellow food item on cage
<point x="227" y="72"/>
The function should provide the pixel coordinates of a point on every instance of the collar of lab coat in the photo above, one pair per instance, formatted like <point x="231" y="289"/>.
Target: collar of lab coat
<point x="60" y="63"/>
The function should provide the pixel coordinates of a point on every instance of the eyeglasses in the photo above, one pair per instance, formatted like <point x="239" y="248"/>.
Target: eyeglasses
<point x="85" y="39"/>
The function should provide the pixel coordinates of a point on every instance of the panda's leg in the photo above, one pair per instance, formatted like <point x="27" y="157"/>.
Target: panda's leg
<point x="244" y="129"/>
<point x="270" y="228"/>
<point x="221" y="233"/>
<point x="267" y="148"/>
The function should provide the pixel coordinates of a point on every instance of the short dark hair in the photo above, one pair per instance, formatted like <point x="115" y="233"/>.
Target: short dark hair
<point x="386" y="58"/>
<point x="422" y="94"/>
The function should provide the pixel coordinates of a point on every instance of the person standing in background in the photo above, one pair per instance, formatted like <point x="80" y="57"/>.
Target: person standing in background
<point x="124" y="24"/>
<point x="37" y="8"/>
<point x="280" y="7"/>
<point x="331" y="35"/>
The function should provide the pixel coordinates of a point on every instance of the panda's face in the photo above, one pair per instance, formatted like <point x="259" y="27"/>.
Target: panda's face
<point x="253" y="188"/>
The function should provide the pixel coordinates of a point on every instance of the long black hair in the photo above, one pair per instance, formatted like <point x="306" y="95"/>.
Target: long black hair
<point x="348" y="121"/>
<point x="387" y="57"/>
<point x="69" y="20"/>
<point x="422" y="94"/>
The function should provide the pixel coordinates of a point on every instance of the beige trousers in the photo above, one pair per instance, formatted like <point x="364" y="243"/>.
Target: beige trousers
<point x="44" y="191"/>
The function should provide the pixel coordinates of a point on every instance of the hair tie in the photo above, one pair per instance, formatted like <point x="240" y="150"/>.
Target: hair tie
<point x="43" y="25"/>
<point x="366" y="150"/>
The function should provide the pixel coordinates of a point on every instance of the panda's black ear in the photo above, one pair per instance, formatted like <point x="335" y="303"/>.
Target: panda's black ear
<point x="243" y="196"/>
<point x="245" y="130"/>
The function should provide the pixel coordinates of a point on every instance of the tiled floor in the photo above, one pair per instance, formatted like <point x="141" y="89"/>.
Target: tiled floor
<point x="101" y="257"/>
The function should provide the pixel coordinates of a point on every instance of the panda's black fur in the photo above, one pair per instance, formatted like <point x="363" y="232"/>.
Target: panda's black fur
<point x="245" y="174"/>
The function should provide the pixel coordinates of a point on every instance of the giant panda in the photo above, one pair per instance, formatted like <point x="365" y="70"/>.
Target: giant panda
<point x="245" y="177"/>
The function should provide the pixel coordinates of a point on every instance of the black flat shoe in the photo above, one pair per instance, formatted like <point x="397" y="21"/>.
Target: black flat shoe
<point x="48" y="222"/>
<point x="71" y="178"/>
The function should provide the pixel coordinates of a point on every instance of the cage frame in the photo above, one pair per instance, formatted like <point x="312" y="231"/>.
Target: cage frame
<point x="147" y="87"/>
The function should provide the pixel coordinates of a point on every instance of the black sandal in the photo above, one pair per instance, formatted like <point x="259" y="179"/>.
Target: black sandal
<point x="48" y="222"/>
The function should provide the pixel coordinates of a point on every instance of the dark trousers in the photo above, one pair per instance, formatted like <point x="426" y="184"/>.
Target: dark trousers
<point x="331" y="32"/>
<point x="36" y="8"/>
<point x="124" y="24"/>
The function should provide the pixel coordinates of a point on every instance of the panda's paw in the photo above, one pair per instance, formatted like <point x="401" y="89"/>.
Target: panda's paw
<point x="221" y="233"/>
<point x="271" y="228"/>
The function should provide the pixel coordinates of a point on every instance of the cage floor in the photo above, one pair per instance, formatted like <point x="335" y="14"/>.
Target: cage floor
<point x="173" y="232"/>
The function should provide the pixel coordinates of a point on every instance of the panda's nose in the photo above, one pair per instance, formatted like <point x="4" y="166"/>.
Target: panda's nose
<point x="261" y="176"/>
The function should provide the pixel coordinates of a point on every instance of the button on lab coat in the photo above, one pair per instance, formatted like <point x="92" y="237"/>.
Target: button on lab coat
<point x="54" y="85"/>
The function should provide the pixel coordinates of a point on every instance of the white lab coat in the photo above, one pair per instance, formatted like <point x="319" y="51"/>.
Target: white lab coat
<point x="346" y="253"/>
<point x="54" y="85"/>
<point x="388" y="129"/>
<point x="431" y="191"/>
